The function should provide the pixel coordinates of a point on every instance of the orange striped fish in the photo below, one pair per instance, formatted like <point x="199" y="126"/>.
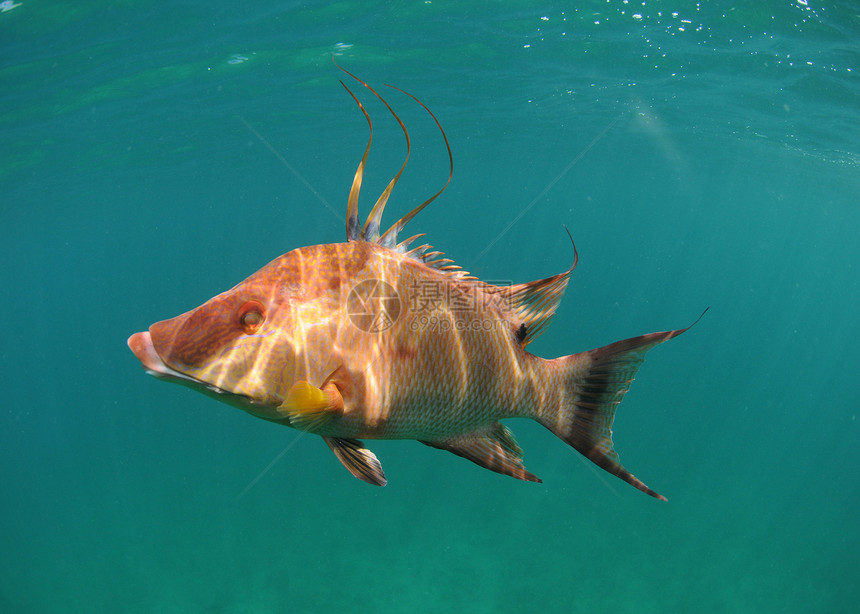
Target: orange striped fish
<point x="377" y="339"/>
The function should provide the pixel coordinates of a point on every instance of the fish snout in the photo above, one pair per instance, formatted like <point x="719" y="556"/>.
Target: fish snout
<point x="141" y="345"/>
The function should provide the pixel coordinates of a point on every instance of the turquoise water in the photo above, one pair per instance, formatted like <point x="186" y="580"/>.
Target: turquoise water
<point x="700" y="154"/>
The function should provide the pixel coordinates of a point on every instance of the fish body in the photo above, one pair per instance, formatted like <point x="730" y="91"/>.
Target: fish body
<point x="373" y="339"/>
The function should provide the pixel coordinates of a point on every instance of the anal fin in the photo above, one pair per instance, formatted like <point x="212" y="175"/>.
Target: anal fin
<point x="359" y="461"/>
<point x="495" y="449"/>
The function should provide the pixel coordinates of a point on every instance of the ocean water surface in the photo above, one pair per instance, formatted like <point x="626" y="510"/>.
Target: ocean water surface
<point x="701" y="154"/>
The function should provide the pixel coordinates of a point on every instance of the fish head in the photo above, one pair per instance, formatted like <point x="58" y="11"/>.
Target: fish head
<point x="240" y="346"/>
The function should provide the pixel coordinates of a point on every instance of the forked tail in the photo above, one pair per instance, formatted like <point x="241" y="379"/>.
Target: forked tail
<point x="594" y="384"/>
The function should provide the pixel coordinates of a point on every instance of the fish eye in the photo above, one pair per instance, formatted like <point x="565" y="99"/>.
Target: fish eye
<point x="252" y="314"/>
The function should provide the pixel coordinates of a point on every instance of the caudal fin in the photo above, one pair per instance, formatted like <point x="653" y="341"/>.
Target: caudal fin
<point x="595" y="383"/>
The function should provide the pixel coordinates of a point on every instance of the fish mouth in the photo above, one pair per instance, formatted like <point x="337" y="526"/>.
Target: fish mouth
<point x="142" y="347"/>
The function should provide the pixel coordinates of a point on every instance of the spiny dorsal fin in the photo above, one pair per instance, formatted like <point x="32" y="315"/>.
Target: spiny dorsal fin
<point x="389" y="239"/>
<point x="370" y="231"/>
<point x="352" y="223"/>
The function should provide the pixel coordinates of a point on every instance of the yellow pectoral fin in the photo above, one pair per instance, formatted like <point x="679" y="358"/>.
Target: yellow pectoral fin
<point x="308" y="407"/>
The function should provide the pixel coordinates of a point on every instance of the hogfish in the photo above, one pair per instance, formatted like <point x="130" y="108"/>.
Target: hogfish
<point x="376" y="338"/>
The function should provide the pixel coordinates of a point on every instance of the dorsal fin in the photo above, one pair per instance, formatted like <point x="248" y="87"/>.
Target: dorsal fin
<point x="389" y="239"/>
<point x="352" y="223"/>
<point x="534" y="303"/>
<point x="370" y="231"/>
